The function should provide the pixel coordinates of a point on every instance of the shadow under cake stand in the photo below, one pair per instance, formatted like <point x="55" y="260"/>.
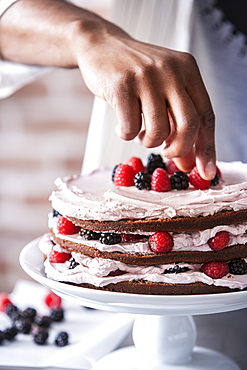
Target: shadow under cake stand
<point x="164" y="332"/>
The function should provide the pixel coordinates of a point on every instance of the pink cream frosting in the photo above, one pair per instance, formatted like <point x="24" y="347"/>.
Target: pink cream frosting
<point x="95" y="197"/>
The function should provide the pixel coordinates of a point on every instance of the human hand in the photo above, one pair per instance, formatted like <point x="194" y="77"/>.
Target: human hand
<point x="138" y="80"/>
<point x="161" y="85"/>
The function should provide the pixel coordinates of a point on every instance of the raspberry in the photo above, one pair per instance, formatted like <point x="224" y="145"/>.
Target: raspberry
<point x="66" y="227"/>
<point x="215" y="270"/>
<point x="197" y="181"/>
<point x="219" y="241"/>
<point x="137" y="164"/>
<point x="171" y="167"/>
<point x="4" y="302"/>
<point x="161" y="242"/>
<point x="52" y="300"/>
<point x="126" y="238"/>
<point x="59" y="257"/>
<point x="160" y="180"/>
<point x="124" y="175"/>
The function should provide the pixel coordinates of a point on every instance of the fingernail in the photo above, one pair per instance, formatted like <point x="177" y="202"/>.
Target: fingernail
<point x="210" y="170"/>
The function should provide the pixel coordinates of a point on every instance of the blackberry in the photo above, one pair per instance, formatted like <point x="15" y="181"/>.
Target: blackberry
<point x="13" y="312"/>
<point x="55" y="213"/>
<point x="10" y="333"/>
<point x="215" y="180"/>
<point x="89" y="234"/>
<point x="62" y="339"/>
<point x="179" y="180"/>
<point x="154" y="161"/>
<point x="57" y="314"/>
<point x="142" y="180"/>
<point x="23" y="326"/>
<point x="2" y="336"/>
<point x="110" y="238"/>
<point x="114" y="171"/>
<point x="42" y="321"/>
<point x="28" y="313"/>
<point x="40" y="336"/>
<point x="73" y="263"/>
<point x="238" y="266"/>
<point x="176" y="270"/>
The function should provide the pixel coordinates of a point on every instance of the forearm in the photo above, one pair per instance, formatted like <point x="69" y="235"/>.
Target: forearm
<point x="48" y="32"/>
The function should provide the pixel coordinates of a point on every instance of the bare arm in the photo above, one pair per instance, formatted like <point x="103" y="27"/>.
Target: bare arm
<point x="135" y="78"/>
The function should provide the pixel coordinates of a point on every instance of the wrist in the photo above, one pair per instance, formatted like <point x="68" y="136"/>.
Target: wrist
<point x="90" y="33"/>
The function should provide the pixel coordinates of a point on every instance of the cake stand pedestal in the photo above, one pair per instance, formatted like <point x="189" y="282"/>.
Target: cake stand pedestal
<point x="165" y="343"/>
<point x="164" y="332"/>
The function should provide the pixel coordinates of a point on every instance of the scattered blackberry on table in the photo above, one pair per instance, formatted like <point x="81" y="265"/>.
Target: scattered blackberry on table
<point x="23" y="326"/>
<point x="110" y="238"/>
<point x="238" y="266"/>
<point x="57" y="314"/>
<point x="179" y="180"/>
<point x="40" y="336"/>
<point x="10" y="333"/>
<point x="176" y="270"/>
<point x="55" y="213"/>
<point x="13" y="312"/>
<point x="2" y="336"/>
<point x="73" y="263"/>
<point x="154" y="161"/>
<point x="89" y="234"/>
<point x="42" y="321"/>
<point x="142" y="180"/>
<point x="28" y="313"/>
<point x="62" y="339"/>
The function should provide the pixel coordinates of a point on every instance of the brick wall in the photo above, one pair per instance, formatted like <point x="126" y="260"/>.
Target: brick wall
<point x="43" y="129"/>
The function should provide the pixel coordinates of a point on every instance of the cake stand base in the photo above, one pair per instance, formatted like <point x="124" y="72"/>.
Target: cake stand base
<point x="201" y="359"/>
<point x="165" y="343"/>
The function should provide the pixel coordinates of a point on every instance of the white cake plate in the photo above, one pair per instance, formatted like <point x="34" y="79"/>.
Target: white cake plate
<point x="164" y="331"/>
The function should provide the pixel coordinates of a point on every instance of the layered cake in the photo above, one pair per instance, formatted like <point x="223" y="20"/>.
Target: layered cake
<point x="150" y="230"/>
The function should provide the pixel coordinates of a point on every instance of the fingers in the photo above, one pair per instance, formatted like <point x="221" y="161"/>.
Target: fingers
<point x="157" y="125"/>
<point x="176" y="110"/>
<point x="129" y="118"/>
<point x="186" y="163"/>
<point x="205" y="141"/>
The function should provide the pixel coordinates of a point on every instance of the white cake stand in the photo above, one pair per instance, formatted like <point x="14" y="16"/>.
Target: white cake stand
<point x="164" y="331"/>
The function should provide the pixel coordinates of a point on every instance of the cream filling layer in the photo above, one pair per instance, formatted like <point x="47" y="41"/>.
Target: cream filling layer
<point x="194" y="241"/>
<point x="96" y="271"/>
